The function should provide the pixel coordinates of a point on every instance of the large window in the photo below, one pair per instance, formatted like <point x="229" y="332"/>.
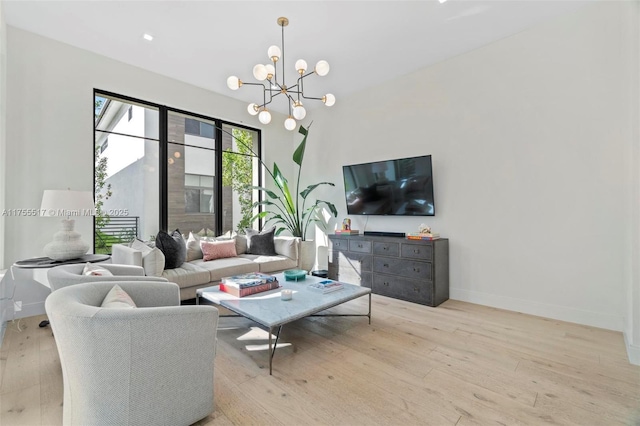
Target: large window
<point x="162" y="168"/>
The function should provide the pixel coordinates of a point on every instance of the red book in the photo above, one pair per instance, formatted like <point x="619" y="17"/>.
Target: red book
<point x="242" y="292"/>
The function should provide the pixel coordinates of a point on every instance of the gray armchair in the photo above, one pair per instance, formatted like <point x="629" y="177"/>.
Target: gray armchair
<point x="150" y="365"/>
<point x="66" y="275"/>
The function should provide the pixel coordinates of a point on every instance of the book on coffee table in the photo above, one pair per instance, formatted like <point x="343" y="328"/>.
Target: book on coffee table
<point x="326" y="286"/>
<point x="250" y="279"/>
<point x="248" y="291"/>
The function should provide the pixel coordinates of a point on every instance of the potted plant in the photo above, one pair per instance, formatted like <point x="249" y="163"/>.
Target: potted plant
<point x="290" y="211"/>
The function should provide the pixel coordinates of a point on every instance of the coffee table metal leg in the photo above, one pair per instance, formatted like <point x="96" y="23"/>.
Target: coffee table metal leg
<point x="270" y="353"/>
<point x="369" y="314"/>
<point x="272" y="350"/>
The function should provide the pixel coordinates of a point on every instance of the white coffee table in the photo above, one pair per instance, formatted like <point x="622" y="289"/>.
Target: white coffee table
<point x="270" y="311"/>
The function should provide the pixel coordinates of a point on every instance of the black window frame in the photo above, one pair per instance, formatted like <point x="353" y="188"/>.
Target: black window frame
<point x="163" y="114"/>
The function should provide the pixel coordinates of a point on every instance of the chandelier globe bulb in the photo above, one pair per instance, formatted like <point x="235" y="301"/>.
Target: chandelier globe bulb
<point x="322" y="68"/>
<point x="301" y="66"/>
<point x="290" y="123"/>
<point x="234" y="82"/>
<point x="252" y="109"/>
<point x="260" y="72"/>
<point x="329" y="99"/>
<point x="274" y="53"/>
<point x="264" y="116"/>
<point x="299" y="112"/>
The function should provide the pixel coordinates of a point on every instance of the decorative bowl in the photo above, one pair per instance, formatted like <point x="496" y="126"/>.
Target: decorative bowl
<point x="295" y="274"/>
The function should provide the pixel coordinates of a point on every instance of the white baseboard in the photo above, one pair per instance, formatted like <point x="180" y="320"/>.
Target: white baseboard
<point x="633" y="351"/>
<point x="562" y="313"/>
<point x="30" y="310"/>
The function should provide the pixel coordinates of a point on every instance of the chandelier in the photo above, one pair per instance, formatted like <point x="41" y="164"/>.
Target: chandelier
<point x="275" y="85"/>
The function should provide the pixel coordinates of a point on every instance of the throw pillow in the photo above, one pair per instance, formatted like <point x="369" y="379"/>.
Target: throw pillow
<point x="152" y="258"/>
<point x="140" y="245"/>
<point x="193" y="247"/>
<point x="96" y="270"/>
<point x="261" y="242"/>
<point x="118" y="298"/>
<point x="173" y="247"/>
<point x="218" y="249"/>
<point x="153" y="262"/>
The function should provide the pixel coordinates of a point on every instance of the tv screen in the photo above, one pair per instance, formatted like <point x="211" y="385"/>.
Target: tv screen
<point x="401" y="187"/>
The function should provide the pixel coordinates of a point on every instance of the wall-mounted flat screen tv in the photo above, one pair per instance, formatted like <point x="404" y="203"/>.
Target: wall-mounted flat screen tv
<point x="402" y="187"/>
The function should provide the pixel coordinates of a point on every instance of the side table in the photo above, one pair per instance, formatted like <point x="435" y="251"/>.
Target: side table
<point x="27" y="286"/>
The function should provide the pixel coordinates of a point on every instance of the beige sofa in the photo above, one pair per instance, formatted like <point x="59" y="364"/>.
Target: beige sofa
<point x="197" y="273"/>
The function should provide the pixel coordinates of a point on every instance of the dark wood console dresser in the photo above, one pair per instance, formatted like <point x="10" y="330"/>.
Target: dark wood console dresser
<point x="412" y="270"/>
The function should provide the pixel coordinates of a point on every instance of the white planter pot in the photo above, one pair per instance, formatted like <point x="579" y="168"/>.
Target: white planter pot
<point x="307" y="255"/>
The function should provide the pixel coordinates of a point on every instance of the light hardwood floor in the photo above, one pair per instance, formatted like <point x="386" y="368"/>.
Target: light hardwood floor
<point x="458" y="364"/>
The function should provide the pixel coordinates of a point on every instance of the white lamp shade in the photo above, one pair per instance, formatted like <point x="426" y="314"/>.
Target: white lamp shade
<point x="252" y="109"/>
<point x="67" y="203"/>
<point x="301" y="66"/>
<point x="290" y="123"/>
<point x="260" y="72"/>
<point x="270" y="69"/>
<point x="299" y="112"/>
<point x="233" y="82"/>
<point x="274" y="53"/>
<point x="322" y="68"/>
<point x="329" y="99"/>
<point x="264" y="117"/>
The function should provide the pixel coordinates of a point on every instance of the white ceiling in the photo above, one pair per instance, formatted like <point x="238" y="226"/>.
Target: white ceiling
<point x="204" y="42"/>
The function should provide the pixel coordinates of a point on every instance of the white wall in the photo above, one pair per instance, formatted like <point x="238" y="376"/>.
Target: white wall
<point x="632" y="326"/>
<point x="3" y="112"/>
<point x="530" y="138"/>
<point x="49" y="129"/>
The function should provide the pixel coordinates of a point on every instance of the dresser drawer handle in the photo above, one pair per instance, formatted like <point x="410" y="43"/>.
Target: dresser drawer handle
<point x="416" y="289"/>
<point x="359" y="245"/>
<point x="385" y="248"/>
<point x="416" y="269"/>
<point x="386" y="265"/>
<point x="385" y="284"/>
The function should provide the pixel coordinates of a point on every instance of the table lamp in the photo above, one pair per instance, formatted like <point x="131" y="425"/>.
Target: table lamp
<point x="66" y="243"/>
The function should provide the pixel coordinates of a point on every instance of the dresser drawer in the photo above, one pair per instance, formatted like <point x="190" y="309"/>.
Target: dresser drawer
<point x="348" y="260"/>
<point x="386" y="249"/>
<point x="417" y="251"/>
<point x="338" y="244"/>
<point x="402" y="288"/>
<point x="360" y="246"/>
<point x="351" y="277"/>
<point x="407" y="268"/>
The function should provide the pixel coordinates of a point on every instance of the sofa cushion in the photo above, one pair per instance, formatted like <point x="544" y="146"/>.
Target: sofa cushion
<point x="187" y="275"/>
<point x="286" y="246"/>
<point x="271" y="263"/>
<point x="173" y="247"/>
<point x="117" y="298"/>
<point x="261" y="242"/>
<point x="220" y="268"/>
<point x="152" y="258"/>
<point x="193" y="247"/>
<point x="212" y="250"/>
<point x="241" y="244"/>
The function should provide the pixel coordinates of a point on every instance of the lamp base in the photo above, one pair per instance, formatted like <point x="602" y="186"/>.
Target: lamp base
<point x="66" y="243"/>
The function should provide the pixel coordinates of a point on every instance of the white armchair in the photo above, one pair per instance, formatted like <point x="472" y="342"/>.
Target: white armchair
<point x="66" y="275"/>
<point x="147" y="365"/>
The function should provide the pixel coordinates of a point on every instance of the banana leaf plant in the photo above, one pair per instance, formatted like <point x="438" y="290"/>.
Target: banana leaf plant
<point x="288" y="211"/>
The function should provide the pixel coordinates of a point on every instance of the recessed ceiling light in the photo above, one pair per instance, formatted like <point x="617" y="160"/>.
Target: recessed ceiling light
<point x="148" y="37"/>
<point x="442" y="1"/>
